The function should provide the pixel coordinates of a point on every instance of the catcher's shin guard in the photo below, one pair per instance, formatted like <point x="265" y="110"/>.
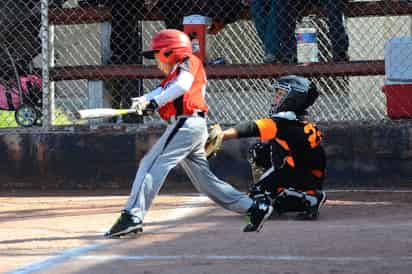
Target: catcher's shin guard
<point x="291" y="200"/>
<point x="312" y="212"/>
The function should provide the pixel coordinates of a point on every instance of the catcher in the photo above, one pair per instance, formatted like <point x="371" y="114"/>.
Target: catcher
<point x="290" y="151"/>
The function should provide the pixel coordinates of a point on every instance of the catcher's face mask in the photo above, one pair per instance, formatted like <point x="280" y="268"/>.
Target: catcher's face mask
<point x="279" y="97"/>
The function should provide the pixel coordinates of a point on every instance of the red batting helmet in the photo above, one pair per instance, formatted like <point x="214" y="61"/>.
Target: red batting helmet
<point x="171" y="45"/>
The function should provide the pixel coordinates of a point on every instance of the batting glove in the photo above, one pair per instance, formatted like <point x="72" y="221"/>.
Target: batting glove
<point x="139" y="104"/>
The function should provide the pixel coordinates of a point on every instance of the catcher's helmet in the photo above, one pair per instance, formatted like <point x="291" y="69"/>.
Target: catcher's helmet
<point x="300" y="94"/>
<point x="171" y="44"/>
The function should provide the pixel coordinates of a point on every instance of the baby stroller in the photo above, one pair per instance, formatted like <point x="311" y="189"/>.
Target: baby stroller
<point x="22" y="94"/>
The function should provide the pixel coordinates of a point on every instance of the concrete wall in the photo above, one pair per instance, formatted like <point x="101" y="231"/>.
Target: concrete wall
<point x="359" y="154"/>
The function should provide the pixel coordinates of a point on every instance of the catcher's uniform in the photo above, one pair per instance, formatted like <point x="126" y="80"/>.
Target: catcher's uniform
<point x="292" y="154"/>
<point x="181" y="100"/>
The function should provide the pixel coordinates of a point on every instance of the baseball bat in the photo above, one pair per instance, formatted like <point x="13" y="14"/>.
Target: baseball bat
<point x="102" y="113"/>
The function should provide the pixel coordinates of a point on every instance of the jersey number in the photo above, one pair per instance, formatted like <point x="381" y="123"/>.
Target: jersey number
<point x="314" y="135"/>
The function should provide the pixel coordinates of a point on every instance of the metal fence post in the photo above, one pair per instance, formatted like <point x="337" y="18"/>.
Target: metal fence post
<point x="44" y="33"/>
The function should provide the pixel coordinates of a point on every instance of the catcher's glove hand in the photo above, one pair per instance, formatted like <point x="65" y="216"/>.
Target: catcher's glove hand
<point x="214" y="141"/>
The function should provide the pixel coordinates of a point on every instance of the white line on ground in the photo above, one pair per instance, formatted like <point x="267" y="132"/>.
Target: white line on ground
<point x="43" y="200"/>
<point x="371" y="190"/>
<point x="72" y="253"/>
<point x="241" y="258"/>
<point x="185" y="208"/>
<point x="77" y="252"/>
<point x="121" y="197"/>
<point x="368" y="226"/>
<point x="62" y="257"/>
<point x="88" y="198"/>
<point x="341" y="202"/>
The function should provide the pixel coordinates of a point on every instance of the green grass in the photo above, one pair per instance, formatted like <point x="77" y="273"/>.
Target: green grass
<point x="7" y="119"/>
<point x="61" y="118"/>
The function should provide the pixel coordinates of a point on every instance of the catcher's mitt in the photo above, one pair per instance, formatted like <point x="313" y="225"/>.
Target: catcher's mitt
<point x="214" y="141"/>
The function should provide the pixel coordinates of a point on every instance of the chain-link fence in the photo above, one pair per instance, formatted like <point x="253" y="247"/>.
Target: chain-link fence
<point x="93" y="58"/>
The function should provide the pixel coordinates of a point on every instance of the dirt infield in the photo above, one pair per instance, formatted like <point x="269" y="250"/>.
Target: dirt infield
<point x="358" y="232"/>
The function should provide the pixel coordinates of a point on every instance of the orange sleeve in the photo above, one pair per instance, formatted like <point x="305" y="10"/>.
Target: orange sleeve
<point x="267" y="129"/>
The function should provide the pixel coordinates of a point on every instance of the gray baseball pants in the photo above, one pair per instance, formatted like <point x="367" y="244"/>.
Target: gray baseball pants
<point x="182" y="142"/>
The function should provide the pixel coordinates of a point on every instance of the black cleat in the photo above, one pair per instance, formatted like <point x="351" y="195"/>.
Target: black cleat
<point x="257" y="215"/>
<point x="124" y="225"/>
<point x="312" y="212"/>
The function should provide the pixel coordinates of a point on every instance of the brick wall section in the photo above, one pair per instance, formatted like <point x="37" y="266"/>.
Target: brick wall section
<point x="359" y="154"/>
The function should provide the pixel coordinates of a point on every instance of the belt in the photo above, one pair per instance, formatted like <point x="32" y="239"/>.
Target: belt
<point x="174" y="118"/>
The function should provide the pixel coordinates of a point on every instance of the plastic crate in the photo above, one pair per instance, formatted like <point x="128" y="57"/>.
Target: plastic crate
<point x="398" y="100"/>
